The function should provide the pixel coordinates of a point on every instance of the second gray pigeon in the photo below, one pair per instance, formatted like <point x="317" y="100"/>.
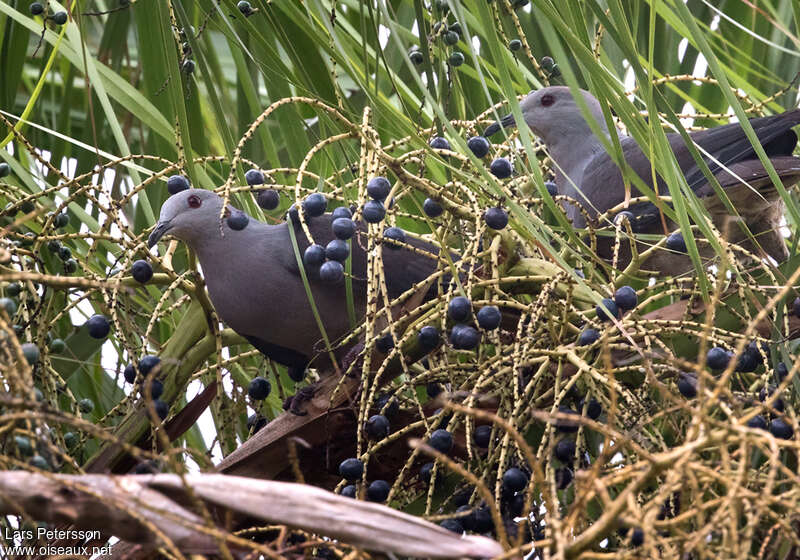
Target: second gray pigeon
<point x="585" y="172"/>
<point x="254" y="281"/>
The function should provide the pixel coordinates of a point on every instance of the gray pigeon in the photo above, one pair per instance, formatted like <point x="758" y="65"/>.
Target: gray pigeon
<point x="585" y="171"/>
<point x="254" y="281"/>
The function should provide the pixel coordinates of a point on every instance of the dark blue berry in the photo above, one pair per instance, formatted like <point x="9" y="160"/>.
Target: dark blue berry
<point x="607" y="310"/>
<point x="98" y="326"/>
<point x="343" y="228"/>
<point x="551" y="187"/>
<point x="482" y="436"/>
<point x="147" y="363"/>
<point x="489" y="317"/>
<point x="141" y="271"/>
<point x="331" y="272"/>
<point x="781" y="429"/>
<point x="676" y="242"/>
<point x="377" y="426"/>
<point x="177" y="183"/>
<point x="757" y="422"/>
<point x="86" y="406"/>
<point x="31" y="352"/>
<point x="514" y="480"/>
<point x="565" y="451"/>
<point x="432" y="208"/>
<point x="59" y="18"/>
<point x="456" y="59"/>
<point x="387" y="405"/>
<point x="495" y="218"/>
<point x="351" y="469"/>
<point x="687" y="385"/>
<point x="129" y="373"/>
<point x="156" y="388"/>
<point x="378" y="188"/>
<point x="259" y="388"/>
<point x="394" y="236"/>
<point x="426" y="472"/>
<point x="341" y="212"/>
<point x="587" y="337"/>
<point x="315" y="204"/>
<point x="593" y="409"/>
<point x="36" y="9"/>
<point x="373" y="211"/>
<point x="428" y="337"/>
<point x="268" y="199"/>
<point x="514" y="45"/>
<point x="162" y="409"/>
<point x="441" y="440"/>
<point x="749" y="359"/>
<point x="61" y="221"/>
<point x="337" y="250"/>
<point x="8" y="305"/>
<point x="459" y="309"/>
<point x="637" y="537"/>
<point x="718" y="358"/>
<point x="501" y="168"/>
<point x="385" y="343"/>
<point x="464" y="337"/>
<point x="349" y="491"/>
<point x="440" y="143"/>
<point x="314" y="256"/>
<point x="238" y="220"/>
<point x="626" y="298"/>
<point x="378" y="491"/>
<point x="479" y="146"/>
<point x="254" y="177"/>
<point x="416" y="57"/>
<point x="57" y="346"/>
<point x="781" y="371"/>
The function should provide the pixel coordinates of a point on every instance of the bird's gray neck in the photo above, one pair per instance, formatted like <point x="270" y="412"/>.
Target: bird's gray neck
<point x="570" y="155"/>
<point x="222" y="251"/>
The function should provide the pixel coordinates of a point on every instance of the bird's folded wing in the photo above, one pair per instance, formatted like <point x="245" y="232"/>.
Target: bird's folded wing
<point x="729" y="144"/>
<point x="603" y="184"/>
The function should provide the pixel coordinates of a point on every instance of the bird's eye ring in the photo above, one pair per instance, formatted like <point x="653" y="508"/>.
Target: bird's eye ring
<point x="194" y="201"/>
<point x="547" y="100"/>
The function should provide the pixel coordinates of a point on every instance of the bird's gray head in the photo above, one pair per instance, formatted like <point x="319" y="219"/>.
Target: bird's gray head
<point x="188" y="215"/>
<point x="553" y="114"/>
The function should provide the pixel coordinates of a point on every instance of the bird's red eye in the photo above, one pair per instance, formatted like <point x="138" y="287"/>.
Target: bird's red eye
<point x="548" y="100"/>
<point x="194" y="201"/>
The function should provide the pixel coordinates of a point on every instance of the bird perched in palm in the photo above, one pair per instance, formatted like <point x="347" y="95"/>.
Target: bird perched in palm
<point x="254" y="279"/>
<point x="588" y="174"/>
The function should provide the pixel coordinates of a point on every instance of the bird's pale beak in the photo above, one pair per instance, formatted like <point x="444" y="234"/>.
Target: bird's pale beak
<point x="158" y="233"/>
<point x="505" y="122"/>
